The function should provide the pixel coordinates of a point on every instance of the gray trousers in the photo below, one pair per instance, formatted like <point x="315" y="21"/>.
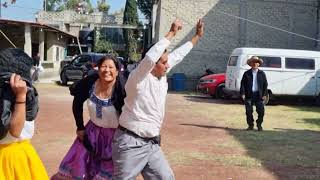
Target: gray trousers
<point x="132" y="155"/>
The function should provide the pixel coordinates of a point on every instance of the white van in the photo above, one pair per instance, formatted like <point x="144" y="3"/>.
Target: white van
<point x="289" y="72"/>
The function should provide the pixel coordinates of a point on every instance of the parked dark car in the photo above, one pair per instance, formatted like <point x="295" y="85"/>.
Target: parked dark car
<point x="74" y="69"/>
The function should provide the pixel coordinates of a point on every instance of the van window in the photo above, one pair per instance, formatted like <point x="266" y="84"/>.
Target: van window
<point x="271" y="62"/>
<point x="300" y="63"/>
<point x="233" y="61"/>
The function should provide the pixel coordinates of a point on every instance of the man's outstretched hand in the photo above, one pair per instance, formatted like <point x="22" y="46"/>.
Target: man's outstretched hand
<point x="199" y="32"/>
<point x="175" y="27"/>
<point x="199" y="28"/>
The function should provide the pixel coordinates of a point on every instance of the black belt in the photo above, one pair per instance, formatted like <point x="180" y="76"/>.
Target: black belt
<point x="154" y="140"/>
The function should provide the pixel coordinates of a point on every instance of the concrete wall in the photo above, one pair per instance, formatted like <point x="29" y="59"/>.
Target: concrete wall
<point x="75" y="20"/>
<point x="224" y="33"/>
<point x="55" y="48"/>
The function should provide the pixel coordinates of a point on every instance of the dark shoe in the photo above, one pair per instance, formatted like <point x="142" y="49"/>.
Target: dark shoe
<point x="260" y="128"/>
<point x="250" y="128"/>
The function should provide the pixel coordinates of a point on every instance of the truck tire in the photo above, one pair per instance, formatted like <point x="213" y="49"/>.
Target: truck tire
<point x="317" y="100"/>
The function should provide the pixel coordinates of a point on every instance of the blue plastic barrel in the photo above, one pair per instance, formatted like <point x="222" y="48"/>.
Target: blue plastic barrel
<point x="178" y="81"/>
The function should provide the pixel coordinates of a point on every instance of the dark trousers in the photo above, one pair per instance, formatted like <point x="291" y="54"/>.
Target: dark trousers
<point x="258" y="102"/>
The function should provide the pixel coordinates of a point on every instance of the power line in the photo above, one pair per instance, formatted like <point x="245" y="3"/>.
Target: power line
<point x="248" y="20"/>
<point x="269" y="26"/>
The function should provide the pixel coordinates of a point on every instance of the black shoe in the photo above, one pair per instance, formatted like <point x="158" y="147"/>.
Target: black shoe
<point x="260" y="128"/>
<point x="250" y="128"/>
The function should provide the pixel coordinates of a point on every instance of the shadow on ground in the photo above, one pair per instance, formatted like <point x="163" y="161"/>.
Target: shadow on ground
<point x="286" y="101"/>
<point x="314" y="121"/>
<point x="287" y="153"/>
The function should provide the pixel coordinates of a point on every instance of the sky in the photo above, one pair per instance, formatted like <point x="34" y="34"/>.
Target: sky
<point x="25" y="10"/>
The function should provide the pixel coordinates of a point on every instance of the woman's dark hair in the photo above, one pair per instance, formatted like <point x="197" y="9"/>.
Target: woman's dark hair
<point x="119" y="92"/>
<point x="109" y="57"/>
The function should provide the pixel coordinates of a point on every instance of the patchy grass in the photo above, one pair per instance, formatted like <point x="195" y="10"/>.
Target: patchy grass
<point x="290" y="139"/>
<point x="185" y="158"/>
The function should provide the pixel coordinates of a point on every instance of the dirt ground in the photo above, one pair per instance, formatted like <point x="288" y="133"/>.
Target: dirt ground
<point x="194" y="145"/>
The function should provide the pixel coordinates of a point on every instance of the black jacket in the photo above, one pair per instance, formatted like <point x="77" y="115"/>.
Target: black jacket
<point x="81" y="92"/>
<point x="246" y="84"/>
<point x="7" y="101"/>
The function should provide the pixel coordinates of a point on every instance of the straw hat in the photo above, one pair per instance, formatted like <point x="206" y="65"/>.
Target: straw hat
<point x="254" y="59"/>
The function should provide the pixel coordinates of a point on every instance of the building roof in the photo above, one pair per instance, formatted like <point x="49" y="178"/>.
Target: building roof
<point x="36" y="25"/>
<point x="276" y="52"/>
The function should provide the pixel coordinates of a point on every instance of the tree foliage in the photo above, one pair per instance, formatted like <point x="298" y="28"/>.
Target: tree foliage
<point x="130" y="13"/>
<point x="74" y="5"/>
<point x="103" y="46"/>
<point x="145" y="7"/>
<point x="60" y="5"/>
<point x="52" y="5"/>
<point x="131" y="18"/>
<point x="103" y="6"/>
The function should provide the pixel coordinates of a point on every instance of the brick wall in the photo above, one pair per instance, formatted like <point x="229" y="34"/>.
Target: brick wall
<point x="224" y="33"/>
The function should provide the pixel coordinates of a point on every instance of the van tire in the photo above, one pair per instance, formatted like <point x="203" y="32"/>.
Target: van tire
<point x="220" y="91"/>
<point x="267" y="100"/>
<point x="317" y="100"/>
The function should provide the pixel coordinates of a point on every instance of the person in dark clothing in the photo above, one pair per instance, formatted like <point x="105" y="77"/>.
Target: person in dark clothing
<point x="36" y="60"/>
<point x="253" y="90"/>
<point x="35" y="68"/>
<point x="18" y="110"/>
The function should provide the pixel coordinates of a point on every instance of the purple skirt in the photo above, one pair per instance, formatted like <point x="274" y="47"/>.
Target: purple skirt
<point x="92" y="160"/>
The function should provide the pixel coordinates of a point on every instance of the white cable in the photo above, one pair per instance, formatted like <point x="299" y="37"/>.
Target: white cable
<point x="265" y="25"/>
<point x="251" y="21"/>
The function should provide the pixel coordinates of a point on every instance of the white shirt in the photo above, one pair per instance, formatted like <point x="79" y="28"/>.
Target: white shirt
<point x="144" y="107"/>
<point x="254" y="80"/>
<point x="109" y="116"/>
<point x="26" y="133"/>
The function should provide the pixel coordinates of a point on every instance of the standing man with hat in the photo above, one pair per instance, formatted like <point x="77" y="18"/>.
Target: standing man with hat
<point x="253" y="90"/>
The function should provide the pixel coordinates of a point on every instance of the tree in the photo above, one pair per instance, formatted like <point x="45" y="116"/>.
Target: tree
<point x="82" y="6"/>
<point x="103" y="46"/>
<point x="71" y="4"/>
<point x="130" y="13"/>
<point x="145" y="7"/>
<point x="103" y="6"/>
<point x="51" y="5"/>
<point x="130" y="18"/>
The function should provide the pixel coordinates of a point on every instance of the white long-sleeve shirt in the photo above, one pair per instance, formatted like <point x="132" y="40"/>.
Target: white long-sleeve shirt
<point x="254" y="80"/>
<point x="144" y="107"/>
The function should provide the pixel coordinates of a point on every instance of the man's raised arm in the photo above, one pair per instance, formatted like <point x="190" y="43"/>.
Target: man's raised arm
<point x="177" y="55"/>
<point x="153" y="55"/>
